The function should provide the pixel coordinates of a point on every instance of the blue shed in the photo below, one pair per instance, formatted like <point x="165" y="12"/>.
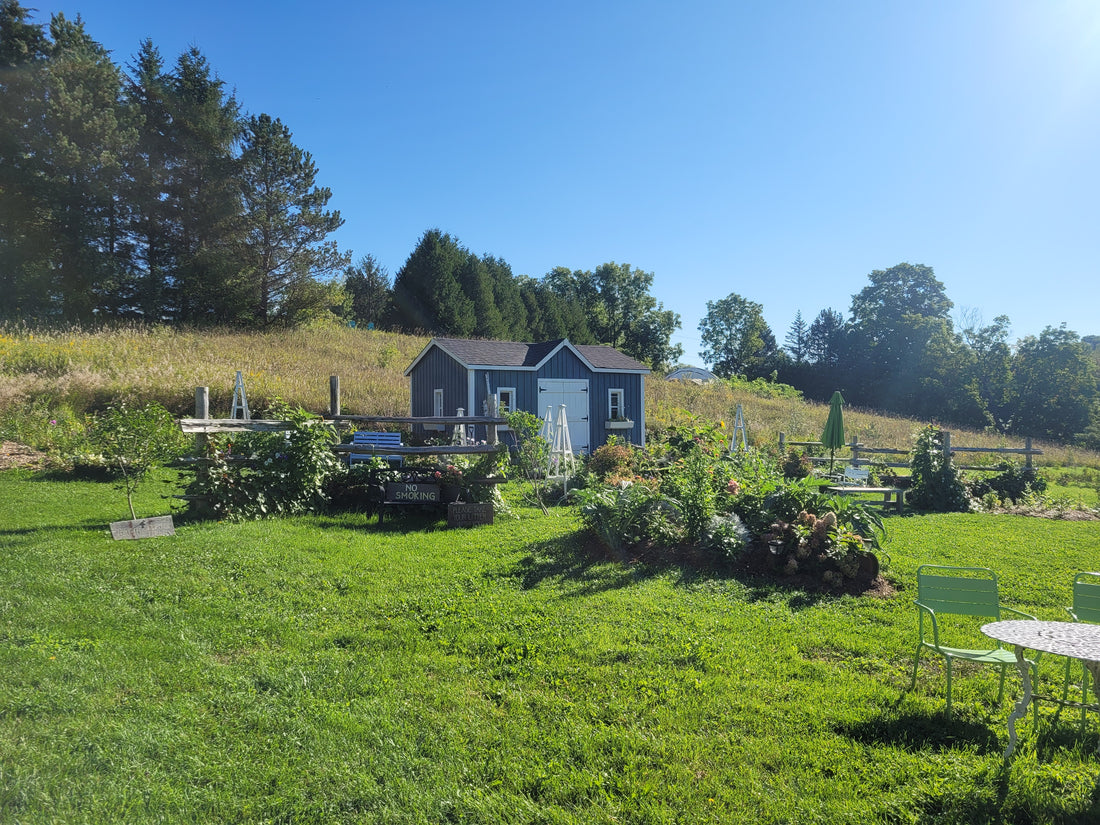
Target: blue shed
<point x="603" y="390"/>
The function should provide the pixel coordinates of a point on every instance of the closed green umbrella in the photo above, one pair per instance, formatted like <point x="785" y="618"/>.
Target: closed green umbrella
<point x="833" y="436"/>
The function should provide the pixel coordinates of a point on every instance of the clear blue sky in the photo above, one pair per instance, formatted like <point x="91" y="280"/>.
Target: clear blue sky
<point x="779" y="150"/>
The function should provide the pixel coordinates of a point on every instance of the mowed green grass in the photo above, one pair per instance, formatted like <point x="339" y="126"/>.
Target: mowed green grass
<point x="320" y="670"/>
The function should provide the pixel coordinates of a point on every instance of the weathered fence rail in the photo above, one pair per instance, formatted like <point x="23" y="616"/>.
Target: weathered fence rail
<point x="860" y="450"/>
<point x="202" y="425"/>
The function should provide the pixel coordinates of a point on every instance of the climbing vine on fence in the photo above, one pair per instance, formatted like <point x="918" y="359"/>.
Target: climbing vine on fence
<point x="267" y="474"/>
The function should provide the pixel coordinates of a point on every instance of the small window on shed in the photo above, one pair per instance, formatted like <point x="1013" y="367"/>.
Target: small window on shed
<point x="506" y="403"/>
<point x="437" y="409"/>
<point x="616" y="405"/>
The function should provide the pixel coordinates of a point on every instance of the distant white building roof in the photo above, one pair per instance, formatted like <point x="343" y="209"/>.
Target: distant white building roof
<point x="691" y="374"/>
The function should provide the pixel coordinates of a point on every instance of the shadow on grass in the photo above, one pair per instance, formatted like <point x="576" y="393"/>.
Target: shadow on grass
<point x="1063" y="733"/>
<point x="915" y="731"/>
<point x="578" y="558"/>
<point x="575" y="558"/>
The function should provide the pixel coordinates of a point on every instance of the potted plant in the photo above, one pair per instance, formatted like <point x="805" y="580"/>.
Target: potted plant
<point x="451" y="481"/>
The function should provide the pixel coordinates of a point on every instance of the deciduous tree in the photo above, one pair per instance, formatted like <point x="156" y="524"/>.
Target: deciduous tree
<point x="735" y="337"/>
<point x="1054" y="385"/>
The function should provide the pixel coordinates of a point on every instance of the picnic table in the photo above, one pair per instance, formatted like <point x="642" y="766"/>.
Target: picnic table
<point x="891" y="496"/>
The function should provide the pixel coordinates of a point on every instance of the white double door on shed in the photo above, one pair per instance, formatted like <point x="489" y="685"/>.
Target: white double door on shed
<point x="573" y="393"/>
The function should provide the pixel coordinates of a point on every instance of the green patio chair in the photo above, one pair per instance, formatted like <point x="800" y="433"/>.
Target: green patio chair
<point x="961" y="591"/>
<point x="1086" y="608"/>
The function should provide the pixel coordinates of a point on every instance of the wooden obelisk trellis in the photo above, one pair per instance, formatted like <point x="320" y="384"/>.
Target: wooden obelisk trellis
<point x="739" y="430"/>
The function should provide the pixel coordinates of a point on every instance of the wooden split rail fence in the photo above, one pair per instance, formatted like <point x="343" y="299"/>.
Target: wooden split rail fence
<point x="860" y="451"/>
<point x="202" y="426"/>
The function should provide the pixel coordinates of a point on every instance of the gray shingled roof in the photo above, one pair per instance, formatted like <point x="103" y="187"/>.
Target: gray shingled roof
<point x="516" y="354"/>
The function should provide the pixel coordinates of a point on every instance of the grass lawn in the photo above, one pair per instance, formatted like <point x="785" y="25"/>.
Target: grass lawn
<point x="321" y="670"/>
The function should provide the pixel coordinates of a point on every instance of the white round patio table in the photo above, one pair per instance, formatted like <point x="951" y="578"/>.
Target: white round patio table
<point x="1073" y="639"/>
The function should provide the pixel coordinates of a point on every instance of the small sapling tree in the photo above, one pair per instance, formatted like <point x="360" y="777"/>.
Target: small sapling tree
<point x="134" y="440"/>
<point x="532" y="452"/>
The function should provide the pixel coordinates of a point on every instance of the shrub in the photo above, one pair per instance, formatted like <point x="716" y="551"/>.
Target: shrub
<point x="1013" y="482"/>
<point x="613" y="459"/>
<point x="284" y="472"/>
<point x="936" y="485"/>
<point x="796" y="464"/>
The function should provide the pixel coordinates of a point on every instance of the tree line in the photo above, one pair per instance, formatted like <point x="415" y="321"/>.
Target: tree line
<point x="899" y="350"/>
<point x="444" y="288"/>
<point x="147" y="193"/>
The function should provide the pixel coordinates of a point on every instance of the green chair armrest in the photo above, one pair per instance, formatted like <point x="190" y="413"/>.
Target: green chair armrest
<point x="921" y="610"/>
<point x="1018" y="612"/>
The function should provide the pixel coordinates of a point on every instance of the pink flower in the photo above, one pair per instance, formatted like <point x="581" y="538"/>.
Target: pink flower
<point x="733" y="488"/>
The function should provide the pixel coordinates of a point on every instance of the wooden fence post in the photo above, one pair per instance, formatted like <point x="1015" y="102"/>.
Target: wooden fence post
<point x="1027" y="446"/>
<point x="202" y="442"/>
<point x="855" y="451"/>
<point x="491" y="429"/>
<point x="946" y="445"/>
<point x="334" y="395"/>
<point x="782" y="439"/>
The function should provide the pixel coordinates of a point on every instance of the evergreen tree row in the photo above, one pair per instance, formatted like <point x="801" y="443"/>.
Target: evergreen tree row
<point x="147" y="193"/>
<point x="444" y="289"/>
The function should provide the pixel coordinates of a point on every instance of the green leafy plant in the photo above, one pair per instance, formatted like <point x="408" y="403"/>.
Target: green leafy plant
<point x="623" y="516"/>
<point x="937" y="486"/>
<point x="134" y="440"/>
<point x="283" y="472"/>
<point x="1012" y="482"/>
<point x="690" y="484"/>
<point x="532" y="453"/>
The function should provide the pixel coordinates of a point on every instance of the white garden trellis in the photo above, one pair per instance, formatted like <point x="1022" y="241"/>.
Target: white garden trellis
<point x="561" y="462"/>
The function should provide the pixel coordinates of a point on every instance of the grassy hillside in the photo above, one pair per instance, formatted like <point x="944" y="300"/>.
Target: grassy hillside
<point x="85" y="370"/>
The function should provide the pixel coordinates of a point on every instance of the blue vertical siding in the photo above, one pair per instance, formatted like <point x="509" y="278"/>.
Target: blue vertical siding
<point x="438" y="370"/>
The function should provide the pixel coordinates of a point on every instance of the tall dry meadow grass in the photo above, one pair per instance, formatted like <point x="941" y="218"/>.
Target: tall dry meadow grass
<point x="86" y="370"/>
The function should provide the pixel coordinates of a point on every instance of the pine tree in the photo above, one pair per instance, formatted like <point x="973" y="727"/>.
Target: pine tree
<point x="153" y="221"/>
<point x="426" y="294"/>
<point x="24" y="258"/>
<point x="202" y="195"/>
<point x="87" y="132"/>
<point x="477" y="285"/>
<point x="284" y="248"/>
<point x="798" y="338"/>
<point x="368" y="284"/>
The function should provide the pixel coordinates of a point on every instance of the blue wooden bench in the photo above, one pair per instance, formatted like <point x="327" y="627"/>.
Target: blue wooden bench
<point x="375" y="441"/>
